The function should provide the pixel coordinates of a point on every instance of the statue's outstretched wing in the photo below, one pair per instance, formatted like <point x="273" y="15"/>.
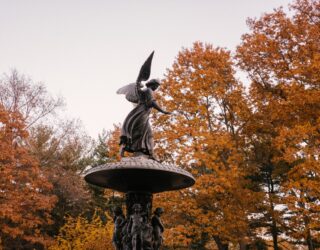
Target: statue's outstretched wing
<point x="145" y="70"/>
<point x="130" y="91"/>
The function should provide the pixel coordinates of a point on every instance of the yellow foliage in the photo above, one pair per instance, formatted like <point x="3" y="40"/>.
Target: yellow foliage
<point x="81" y="234"/>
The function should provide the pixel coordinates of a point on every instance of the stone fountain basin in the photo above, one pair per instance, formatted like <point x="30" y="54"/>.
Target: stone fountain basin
<point x="139" y="174"/>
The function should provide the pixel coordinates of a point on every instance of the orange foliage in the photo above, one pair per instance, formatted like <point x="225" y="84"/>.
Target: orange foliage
<point x="255" y="153"/>
<point x="113" y="143"/>
<point x="282" y="56"/>
<point x="24" y="203"/>
<point x="205" y="134"/>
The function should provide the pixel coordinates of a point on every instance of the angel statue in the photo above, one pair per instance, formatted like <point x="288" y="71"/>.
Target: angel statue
<point x="136" y="134"/>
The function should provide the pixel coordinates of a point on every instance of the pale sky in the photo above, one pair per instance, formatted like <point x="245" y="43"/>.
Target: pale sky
<point x="85" y="50"/>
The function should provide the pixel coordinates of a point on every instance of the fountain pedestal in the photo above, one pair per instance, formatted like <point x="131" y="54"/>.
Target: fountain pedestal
<point x="139" y="178"/>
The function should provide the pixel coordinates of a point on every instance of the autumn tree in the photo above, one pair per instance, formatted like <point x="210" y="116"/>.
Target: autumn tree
<point x="106" y="150"/>
<point x="112" y="197"/>
<point x="59" y="145"/>
<point x="63" y="152"/>
<point x="94" y="232"/>
<point x="19" y="93"/>
<point x="25" y="204"/>
<point x="281" y="55"/>
<point x="205" y="134"/>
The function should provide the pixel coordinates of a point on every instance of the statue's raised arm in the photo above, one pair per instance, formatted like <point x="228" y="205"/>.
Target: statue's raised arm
<point x="136" y="134"/>
<point x="139" y="175"/>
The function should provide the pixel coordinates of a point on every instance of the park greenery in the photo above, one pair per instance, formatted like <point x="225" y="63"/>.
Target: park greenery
<point x="253" y="146"/>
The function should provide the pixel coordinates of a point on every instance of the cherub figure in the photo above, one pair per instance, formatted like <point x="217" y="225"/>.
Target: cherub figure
<point x="157" y="228"/>
<point x="119" y="221"/>
<point x="136" y="226"/>
<point x="136" y="134"/>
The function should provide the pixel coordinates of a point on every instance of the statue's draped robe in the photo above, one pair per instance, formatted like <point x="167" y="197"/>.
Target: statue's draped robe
<point x="136" y="133"/>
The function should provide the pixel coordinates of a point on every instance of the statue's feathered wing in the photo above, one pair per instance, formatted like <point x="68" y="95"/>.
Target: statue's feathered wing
<point x="145" y="70"/>
<point x="131" y="90"/>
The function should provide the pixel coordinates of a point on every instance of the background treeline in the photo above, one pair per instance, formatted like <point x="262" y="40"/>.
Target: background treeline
<point x="253" y="146"/>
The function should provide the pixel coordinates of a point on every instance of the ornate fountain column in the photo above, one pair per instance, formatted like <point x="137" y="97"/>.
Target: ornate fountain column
<point x="139" y="176"/>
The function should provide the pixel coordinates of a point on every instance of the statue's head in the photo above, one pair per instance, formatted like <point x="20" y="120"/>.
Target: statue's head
<point x="117" y="211"/>
<point x="158" y="211"/>
<point x="153" y="84"/>
<point x="136" y="207"/>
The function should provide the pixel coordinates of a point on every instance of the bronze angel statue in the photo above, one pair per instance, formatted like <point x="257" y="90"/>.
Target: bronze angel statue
<point x="136" y="134"/>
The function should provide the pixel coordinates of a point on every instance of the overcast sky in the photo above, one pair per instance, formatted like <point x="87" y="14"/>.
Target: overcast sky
<point x="86" y="50"/>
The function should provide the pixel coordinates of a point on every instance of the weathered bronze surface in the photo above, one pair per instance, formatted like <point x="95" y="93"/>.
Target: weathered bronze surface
<point x="119" y="223"/>
<point x="136" y="133"/>
<point x="158" y="228"/>
<point x="139" y="174"/>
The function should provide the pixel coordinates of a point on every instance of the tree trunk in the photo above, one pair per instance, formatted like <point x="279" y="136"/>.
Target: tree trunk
<point x="309" y="241"/>
<point x="274" y="231"/>
<point x="243" y="245"/>
<point x="274" y="228"/>
<point x="221" y="245"/>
